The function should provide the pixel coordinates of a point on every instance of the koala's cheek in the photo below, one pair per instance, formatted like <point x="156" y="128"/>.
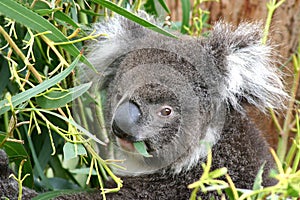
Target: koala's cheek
<point x="164" y="145"/>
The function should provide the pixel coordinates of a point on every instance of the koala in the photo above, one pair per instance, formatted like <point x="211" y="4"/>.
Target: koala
<point x="180" y="97"/>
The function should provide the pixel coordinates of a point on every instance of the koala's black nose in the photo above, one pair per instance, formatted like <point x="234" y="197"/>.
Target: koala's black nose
<point x="125" y="121"/>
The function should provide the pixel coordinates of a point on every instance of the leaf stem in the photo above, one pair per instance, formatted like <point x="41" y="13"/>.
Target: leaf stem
<point x="19" y="52"/>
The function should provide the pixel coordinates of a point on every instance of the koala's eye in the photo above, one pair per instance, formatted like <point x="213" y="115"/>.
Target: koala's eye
<point x="165" y="111"/>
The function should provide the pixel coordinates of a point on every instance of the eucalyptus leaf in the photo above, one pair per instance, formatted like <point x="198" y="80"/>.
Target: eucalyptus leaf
<point x="5" y="74"/>
<point x="132" y="17"/>
<point x="30" y="19"/>
<point x="83" y="130"/>
<point x="259" y="178"/>
<point x="164" y="5"/>
<point x="293" y="189"/>
<point x="73" y="150"/>
<point x="41" y="5"/>
<point x="69" y="151"/>
<point x="57" y="193"/>
<point x="62" y="184"/>
<point x="57" y="99"/>
<point x="81" y="150"/>
<point x="141" y="148"/>
<point x="26" y="95"/>
<point x="150" y="7"/>
<point x="45" y="12"/>
<point x="85" y="171"/>
<point x="62" y="16"/>
<point x="186" y="9"/>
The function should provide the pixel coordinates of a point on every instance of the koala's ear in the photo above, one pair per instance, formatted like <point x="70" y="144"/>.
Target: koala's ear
<point x="118" y="37"/>
<point x="246" y="66"/>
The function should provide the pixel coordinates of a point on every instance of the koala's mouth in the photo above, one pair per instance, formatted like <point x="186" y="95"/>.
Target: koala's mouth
<point x="125" y="144"/>
<point x="131" y="146"/>
<point x="130" y="143"/>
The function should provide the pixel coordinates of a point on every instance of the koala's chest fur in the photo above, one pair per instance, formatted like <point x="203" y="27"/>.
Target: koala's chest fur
<point x="241" y="149"/>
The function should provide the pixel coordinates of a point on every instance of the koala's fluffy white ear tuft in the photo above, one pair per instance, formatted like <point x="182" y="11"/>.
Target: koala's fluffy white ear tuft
<point x="249" y="71"/>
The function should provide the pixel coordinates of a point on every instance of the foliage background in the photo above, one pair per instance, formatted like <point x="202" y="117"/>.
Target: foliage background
<point x="40" y="44"/>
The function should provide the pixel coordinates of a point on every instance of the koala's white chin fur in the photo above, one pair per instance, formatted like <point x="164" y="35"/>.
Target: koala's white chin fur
<point x="135" y="165"/>
<point x="200" y="152"/>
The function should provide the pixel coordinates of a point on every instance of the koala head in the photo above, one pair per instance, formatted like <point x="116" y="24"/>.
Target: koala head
<point x="173" y="94"/>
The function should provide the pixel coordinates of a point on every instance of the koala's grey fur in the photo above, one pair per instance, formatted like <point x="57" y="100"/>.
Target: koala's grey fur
<point x="205" y="82"/>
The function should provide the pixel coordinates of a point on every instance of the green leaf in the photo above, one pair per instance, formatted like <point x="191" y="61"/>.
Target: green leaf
<point x="41" y="5"/>
<point x="186" y="8"/>
<point x="16" y="153"/>
<point x="5" y="74"/>
<point x="57" y="99"/>
<point x="132" y="17"/>
<point x="69" y="151"/>
<point x="58" y="15"/>
<point x="26" y="95"/>
<point x="91" y="13"/>
<point x="164" y="5"/>
<point x="46" y="11"/>
<point x="59" y="183"/>
<point x="30" y="19"/>
<point x="229" y="193"/>
<point x="83" y="130"/>
<point x="141" y="148"/>
<point x="83" y="171"/>
<point x="57" y="193"/>
<point x="62" y="16"/>
<point x="73" y="150"/>
<point x="293" y="189"/>
<point x="259" y="179"/>
<point x="150" y="8"/>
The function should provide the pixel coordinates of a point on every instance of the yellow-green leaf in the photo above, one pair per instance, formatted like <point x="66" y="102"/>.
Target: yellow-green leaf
<point x="57" y="99"/>
<point x="26" y="95"/>
<point x="32" y="20"/>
